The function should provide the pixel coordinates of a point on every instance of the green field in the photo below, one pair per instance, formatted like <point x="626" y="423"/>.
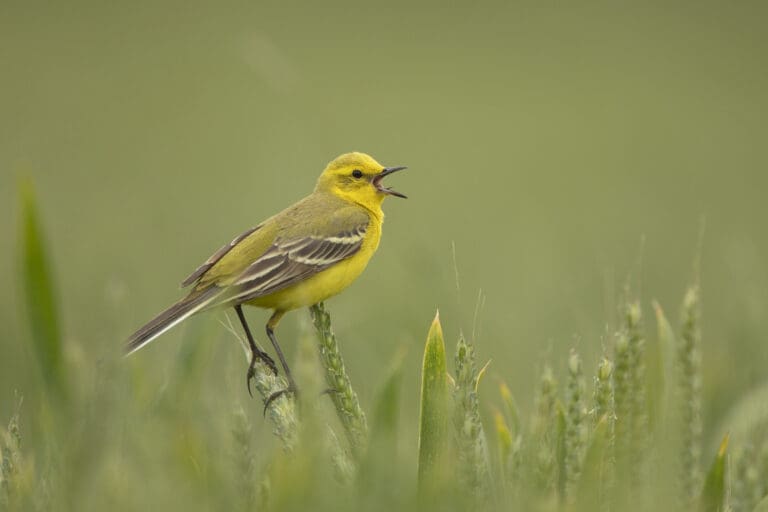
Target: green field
<point x="567" y="165"/>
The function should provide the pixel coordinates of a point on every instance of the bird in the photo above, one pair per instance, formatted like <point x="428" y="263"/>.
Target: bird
<point x="305" y="254"/>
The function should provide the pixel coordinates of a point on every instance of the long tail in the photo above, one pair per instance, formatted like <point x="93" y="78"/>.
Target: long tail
<point x="186" y="307"/>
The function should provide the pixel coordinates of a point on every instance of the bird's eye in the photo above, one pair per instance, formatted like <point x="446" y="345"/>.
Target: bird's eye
<point x="357" y="173"/>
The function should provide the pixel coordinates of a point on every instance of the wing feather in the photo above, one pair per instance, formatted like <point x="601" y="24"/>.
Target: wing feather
<point x="289" y="261"/>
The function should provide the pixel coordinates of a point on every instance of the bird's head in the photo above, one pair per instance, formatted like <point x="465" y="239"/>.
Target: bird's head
<point x="357" y="177"/>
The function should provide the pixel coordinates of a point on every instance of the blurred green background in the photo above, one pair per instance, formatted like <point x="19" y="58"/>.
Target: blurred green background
<point x="563" y="150"/>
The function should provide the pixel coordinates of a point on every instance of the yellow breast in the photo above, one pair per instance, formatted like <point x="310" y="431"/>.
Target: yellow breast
<point x="327" y="283"/>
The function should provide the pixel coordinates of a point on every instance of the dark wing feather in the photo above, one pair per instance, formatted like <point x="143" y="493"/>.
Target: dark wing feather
<point x="289" y="261"/>
<point x="186" y="307"/>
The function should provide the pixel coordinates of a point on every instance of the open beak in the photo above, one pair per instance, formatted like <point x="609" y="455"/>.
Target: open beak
<point x="385" y="190"/>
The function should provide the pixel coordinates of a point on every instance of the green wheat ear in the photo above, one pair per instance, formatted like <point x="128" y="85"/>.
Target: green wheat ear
<point x="281" y="412"/>
<point x="10" y="462"/>
<point x="688" y="403"/>
<point x="630" y="402"/>
<point x="575" y="423"/>
<point x="622" y="398"/>
<point x="340" y="387"/>
<point x="600" y="462"/>
<point x="473" y="460"/>
<point x="540" y="452"/>
<point x="639" y="427"/>
<point x="603" y="394"/>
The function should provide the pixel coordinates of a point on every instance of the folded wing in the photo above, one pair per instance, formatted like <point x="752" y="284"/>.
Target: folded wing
<point x="291" y="260"/>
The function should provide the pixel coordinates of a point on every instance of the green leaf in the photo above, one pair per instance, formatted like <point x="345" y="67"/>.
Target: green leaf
<point x="511" y="406"/>
<point x="593" y="479"/>
<point x="505" y="444"/>
<point x="380" y="464"/>
<point x="39" y="295"/>
<point x="660" y="358"/>
<point x="713" y="493"/>
<point x="435" y="409"/>
<point x="748" y="417"/>
<point x="503" y="437"/>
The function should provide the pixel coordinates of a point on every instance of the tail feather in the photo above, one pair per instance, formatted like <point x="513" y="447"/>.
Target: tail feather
<point x="186" y="307"/>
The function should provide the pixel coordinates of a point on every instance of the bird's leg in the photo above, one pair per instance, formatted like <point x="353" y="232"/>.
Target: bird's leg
<point x="271" y="324"/>
<point x="256" y="353"/>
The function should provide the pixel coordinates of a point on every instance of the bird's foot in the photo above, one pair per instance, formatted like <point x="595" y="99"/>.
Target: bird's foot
<point x="251" y="374"/>
<point x="290" y="390"/>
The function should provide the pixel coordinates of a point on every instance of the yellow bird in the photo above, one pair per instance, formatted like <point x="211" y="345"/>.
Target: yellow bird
<point x="305" y="254"/>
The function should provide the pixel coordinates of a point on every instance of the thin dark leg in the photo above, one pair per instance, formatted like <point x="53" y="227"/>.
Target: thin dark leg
<point x="291" y="383"/>
<point x="255" y="352"/>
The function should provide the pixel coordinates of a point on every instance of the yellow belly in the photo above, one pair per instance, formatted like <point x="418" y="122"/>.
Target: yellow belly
<point x="327" y="283"/>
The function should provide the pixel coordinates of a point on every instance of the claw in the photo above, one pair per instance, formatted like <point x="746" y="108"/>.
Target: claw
<point x="329" y="391"/>
<point x="251" y="374"/>
<point x="277" y="394"/>
<point x="266" y="360"/>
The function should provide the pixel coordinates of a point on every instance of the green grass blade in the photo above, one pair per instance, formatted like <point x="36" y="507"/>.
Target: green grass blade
<point x="639" y="415"/>
<point x="380" y="465"/>
<point x="509" y="439"/>
<point x="39" y="295"/>
<point x="503" y="441"/>
<point x="435" y="409"/>
<point x="541" y="446"/>
<point x="713" y="493"/>
<point x="387" y="407"/>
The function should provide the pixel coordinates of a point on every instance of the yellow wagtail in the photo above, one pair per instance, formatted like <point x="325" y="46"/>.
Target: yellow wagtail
<point x="305" y="254"/>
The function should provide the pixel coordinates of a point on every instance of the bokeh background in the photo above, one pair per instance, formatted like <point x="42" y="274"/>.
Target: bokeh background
<point x="556" y="154"/>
